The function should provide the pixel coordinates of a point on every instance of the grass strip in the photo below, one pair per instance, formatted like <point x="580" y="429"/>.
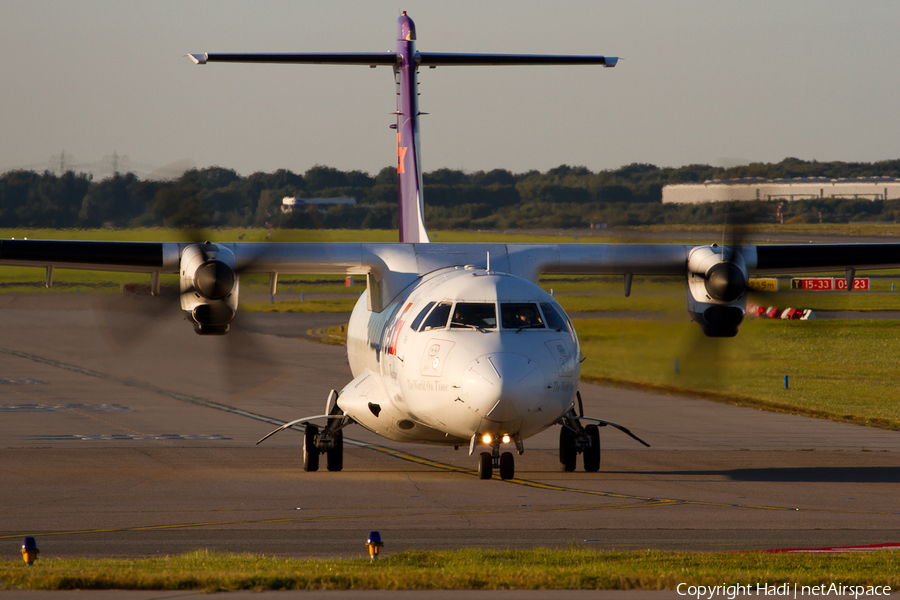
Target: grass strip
<point x="841" y="370"/>
<point x="310" y="305"/>
<point x="575" y="567"/>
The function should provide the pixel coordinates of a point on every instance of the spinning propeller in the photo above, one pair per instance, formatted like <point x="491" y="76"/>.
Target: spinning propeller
<point x="209" y="278"/>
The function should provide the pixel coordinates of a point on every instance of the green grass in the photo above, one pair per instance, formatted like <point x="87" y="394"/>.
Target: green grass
<point x="837" y="369"/>
<point x="886" y="229"/>
<point x="539" y="568"/>
<point x="319" y="305"/>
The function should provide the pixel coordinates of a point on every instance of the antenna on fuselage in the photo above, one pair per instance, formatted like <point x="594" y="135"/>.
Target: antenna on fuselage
<point x="489" y="261"/>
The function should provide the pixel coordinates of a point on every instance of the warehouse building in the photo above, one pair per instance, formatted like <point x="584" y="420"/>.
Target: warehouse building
<point x="729" y="190"/>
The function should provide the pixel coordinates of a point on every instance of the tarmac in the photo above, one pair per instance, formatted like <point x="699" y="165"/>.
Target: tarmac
<point x="125" y="434"/>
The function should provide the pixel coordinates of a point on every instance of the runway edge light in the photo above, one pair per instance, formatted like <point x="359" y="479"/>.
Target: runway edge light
<point x="29" y="550"/>
<point x="374" y="544"/>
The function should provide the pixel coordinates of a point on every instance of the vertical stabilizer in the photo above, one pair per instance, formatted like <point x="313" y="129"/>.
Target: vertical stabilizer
<point x="409" y="163"/>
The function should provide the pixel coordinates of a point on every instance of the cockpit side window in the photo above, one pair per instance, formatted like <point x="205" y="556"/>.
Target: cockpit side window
<point x="479" y="315"/>
<point x="420" y="317"/>
<point x="437" y="319"/>
<point x="554" y="320"/>
<point x="520" y="315"/>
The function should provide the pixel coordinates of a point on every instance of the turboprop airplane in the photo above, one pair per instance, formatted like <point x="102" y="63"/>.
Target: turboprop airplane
<point x="450" y="344"/>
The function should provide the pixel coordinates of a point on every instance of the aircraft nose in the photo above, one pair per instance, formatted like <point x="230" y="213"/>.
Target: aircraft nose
<point x="498" y="385"/>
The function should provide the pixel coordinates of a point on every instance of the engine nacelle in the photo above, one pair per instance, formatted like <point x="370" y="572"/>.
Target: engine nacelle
<point x="209" y="287"/>
<point x="717" y="289"/>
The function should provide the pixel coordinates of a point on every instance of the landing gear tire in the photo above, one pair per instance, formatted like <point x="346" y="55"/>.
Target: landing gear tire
<point x="310" y="451"/>
<point x="568" y="453"/>
<point x="485" y="466"/>
<point x="334" y="458"/>
<point x="592" y="454"/>
<point x="507" y="466"/>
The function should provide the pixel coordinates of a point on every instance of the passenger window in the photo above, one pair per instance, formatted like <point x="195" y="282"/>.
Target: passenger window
<point x="474" y="315"/>
<point x="554" y="321"/>
<point x="438" y="317"/>
<point x="418" y="320"/>
<point x="520" y="315"/>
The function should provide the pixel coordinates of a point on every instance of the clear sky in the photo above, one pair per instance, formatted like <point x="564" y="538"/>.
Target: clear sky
<point x="715" y="82"/>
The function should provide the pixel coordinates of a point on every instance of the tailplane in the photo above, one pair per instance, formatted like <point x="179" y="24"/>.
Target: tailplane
<point x="405" y="63"/>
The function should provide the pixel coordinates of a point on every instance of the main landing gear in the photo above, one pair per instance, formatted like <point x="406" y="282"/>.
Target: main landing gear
<point x="330" y="441"/>
<point x="575" y="439"/>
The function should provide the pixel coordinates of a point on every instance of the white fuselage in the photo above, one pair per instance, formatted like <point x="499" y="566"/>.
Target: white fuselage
<point x="461" y="352"/>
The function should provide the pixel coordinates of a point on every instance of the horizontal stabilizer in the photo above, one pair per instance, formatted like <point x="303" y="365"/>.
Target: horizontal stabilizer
<point x="440" y="59"/>
<point x="309" y="58"/>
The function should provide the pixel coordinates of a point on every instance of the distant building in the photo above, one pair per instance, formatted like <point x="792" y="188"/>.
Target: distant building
<point x="288" y="203"/>
<point x="729" y="190"/>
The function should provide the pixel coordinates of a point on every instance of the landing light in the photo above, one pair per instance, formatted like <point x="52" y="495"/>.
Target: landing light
<point x="506" y="438"/>
<point x="486" y="438"/>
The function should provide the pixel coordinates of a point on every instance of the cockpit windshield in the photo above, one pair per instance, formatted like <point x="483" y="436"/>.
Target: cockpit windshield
<point x="437" y="318"/>
<point x="520" y="315"/>
<point x="474" y="315"/>
<point x="554" y="320"/>
<point x="420" y="317"/>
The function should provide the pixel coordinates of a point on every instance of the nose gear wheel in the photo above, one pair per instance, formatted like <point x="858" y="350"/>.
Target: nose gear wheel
<point x="488" y="461"/>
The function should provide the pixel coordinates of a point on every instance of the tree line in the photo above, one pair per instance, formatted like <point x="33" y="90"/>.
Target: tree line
<point x="563" y="197"/>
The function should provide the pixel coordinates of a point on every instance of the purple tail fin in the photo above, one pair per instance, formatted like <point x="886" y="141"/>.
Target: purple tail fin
<point x="409" y="163"/>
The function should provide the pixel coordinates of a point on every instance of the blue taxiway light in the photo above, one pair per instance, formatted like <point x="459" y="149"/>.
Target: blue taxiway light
<point x="29" y="550"/>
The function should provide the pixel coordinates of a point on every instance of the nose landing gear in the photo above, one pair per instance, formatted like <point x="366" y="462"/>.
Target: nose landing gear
<point x="488" y="461"/>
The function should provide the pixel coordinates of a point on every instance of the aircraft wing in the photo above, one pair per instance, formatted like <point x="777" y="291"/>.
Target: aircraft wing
<point x="524" y="260"/>
<point x="133" y="257"/>
<point x="407" y="261"/>
<point x="804" y="258"/>
<point x="164" y="257"/>
<point x="717" y="277"/>
<point x="672" y="259"/>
